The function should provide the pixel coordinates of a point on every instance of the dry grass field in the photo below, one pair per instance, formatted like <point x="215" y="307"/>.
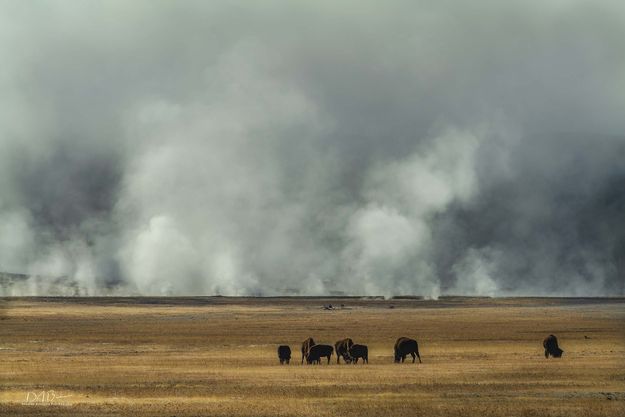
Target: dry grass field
<point x="217" y="357"/>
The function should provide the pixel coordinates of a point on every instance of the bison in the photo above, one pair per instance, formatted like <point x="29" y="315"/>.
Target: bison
<point x="342" y="349"/>
<point x="306" y="345"/>
<point x="284" y="354"/>
<point x="551" y="347"/>
<point x="405" y="346"/>
<point x="316" y="352"/>
<point x="359" y="351"/>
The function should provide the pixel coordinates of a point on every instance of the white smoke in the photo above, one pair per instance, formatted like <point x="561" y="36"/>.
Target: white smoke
<point x="153" y="147"/>
<point x="475" y="274"/>
<point x="205" y="197"/>
<point x="390" y="237"/>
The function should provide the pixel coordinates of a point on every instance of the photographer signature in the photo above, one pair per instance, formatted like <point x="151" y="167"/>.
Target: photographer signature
<point x="50" y="397"/>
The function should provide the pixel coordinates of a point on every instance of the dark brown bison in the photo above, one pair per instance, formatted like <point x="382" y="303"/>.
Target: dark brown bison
<point x="306" y="345"/>
<point x="316" y="352"/>
<point x="405" y="346"/>
<point x="551" y="347"/>
<point x="284" y="354"/>
<point x="359" y="351"/>
<point x="342" y="349"/>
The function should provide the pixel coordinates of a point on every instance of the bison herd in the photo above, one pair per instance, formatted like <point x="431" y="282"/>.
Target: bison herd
<point x="312" y="352"/>
<point x="351" y="352"/>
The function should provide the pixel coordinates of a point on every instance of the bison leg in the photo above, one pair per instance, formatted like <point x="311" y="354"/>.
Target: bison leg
<point x="414" y="357"/>
<point x="546" y="354"/>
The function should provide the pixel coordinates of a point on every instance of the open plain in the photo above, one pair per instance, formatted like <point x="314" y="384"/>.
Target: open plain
<point x="216" y="356"/>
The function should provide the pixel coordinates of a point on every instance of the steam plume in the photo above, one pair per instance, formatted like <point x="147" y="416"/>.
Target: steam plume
<point x="430" y="147"/>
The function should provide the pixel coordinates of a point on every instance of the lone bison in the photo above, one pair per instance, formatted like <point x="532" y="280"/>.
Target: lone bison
<point x="316" y="352"/>
<point x="405" y="346"/>
<point x="551" y="347"/>
<point x="306" y="345"/>
<point x="284" y="354"/>
<point x="359" y="351"/>
<point x="342" y="349"/>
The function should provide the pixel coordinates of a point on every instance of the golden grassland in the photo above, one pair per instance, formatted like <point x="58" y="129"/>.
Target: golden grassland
<point x="217" y="357"/>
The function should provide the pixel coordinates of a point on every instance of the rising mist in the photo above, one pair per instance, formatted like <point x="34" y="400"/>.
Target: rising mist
<point x="262" y="148"/>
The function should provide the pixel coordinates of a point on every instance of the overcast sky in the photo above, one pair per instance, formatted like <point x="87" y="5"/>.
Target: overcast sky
<point x="280" y="147"/>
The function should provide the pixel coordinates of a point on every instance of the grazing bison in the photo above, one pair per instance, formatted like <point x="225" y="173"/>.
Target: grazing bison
<point x="551" y="347"/>
<point x="306" y="345"/>
<point x="405" y="346"/>
<point x="359" y="351"/>
<point x="316" y="352"/>
<point x="342" y="349"/>
<point x="284" y="354"/>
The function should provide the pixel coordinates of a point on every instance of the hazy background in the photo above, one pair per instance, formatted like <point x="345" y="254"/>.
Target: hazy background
<point x="280" y="147"/>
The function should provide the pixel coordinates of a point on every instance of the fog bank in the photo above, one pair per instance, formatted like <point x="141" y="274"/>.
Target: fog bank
<point x="422" y="147"/>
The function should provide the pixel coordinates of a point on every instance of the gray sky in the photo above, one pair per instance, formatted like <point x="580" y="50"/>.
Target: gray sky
<point x="418" y="147"/>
